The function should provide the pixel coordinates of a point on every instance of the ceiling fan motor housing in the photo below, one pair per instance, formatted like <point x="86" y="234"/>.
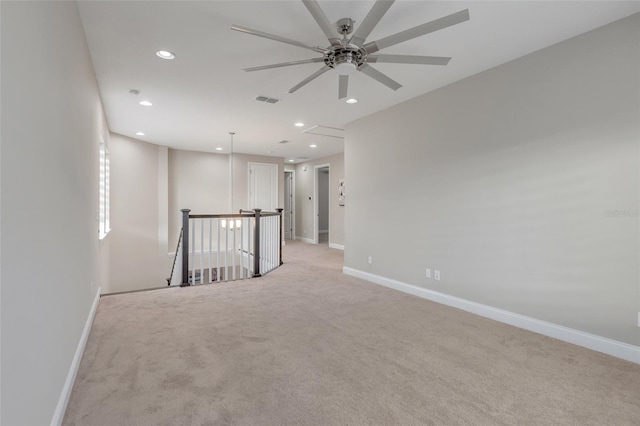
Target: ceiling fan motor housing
<point x="346" y="55"/>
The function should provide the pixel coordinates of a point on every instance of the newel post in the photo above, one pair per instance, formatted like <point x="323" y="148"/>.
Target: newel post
<point x="256" y="244"/>
<point x="185" y="248"/>
<point x="280" y="210"/>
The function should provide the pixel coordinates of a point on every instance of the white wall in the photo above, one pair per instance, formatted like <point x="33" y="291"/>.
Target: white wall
<point x="304" y="206"/>
<point x="138" y="257"/>
<point x="198" y="181"/>
<point x="52" y="124"/>
<point x="150" y="184"/>
<point x="502" y="181"/>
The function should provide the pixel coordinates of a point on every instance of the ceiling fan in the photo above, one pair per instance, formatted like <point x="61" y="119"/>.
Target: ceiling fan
<point x="349" y="54"/>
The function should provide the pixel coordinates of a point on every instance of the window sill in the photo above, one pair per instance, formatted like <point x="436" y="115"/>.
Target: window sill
<point x="102" y="236"/>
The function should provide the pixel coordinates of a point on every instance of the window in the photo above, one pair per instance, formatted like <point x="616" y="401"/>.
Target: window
<point x="103" y="214"/>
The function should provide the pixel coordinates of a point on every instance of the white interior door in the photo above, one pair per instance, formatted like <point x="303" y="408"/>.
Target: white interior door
<point x="288" y="205"/>
<point x="263" y="186"/>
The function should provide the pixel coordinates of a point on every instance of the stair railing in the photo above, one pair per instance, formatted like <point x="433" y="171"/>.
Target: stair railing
<point x="228" y="247"/>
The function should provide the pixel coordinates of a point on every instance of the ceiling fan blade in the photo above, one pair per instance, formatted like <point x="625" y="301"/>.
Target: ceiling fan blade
<point x="370" y="21"/>
<point x="418" y="31"/>
<point x="321" y="19"/>
<point x="310" y="78"/>
<point x="343" y="84"/>
<point x="409" y="59"/>
<point x="377" y="75"/>
<point x="277" y="38"/>
<point x="284" y="64"/>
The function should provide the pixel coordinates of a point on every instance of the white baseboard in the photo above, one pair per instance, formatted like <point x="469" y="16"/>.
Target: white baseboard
<point x="58" y="415"/>
<point x="590" y="341"/>
<point x="306" y="240"/>
<point x="336" y="246"/>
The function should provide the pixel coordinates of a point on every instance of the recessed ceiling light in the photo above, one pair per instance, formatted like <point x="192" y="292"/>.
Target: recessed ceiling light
<point x="140" y="133"/>
<point x="352" y="101"/>
<point x="313" y="146"/>
<point x="291" y="161"/>
<point x="165" y="54"/>
<point x="145" y="103"/>
<point x="299" y="124"/>
<point x="218" y="149"/>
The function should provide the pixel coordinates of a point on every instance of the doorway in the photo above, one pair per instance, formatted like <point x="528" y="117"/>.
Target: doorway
<point x="321" y="206"/>
<point x="289" y="205"/>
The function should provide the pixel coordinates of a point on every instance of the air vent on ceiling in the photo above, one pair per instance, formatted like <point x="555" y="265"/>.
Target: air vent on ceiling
<point x="266" y="99"/>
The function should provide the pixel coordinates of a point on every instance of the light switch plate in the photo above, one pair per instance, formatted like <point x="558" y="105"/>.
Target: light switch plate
<point x="428" y="273"/>
<point x="436" y="275"/>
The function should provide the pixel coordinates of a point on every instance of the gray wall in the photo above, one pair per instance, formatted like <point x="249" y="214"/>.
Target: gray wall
<point x="304" y="206"/>
<point x="503" y="181"/>
<point x="138" y="253"/>
<point x="52" y="124"/>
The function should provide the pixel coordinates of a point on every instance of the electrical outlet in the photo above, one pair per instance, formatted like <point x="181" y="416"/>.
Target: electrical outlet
<point x="428" y="273"/>
<point x="370" y="260"/>
<point x="436" y="275"/>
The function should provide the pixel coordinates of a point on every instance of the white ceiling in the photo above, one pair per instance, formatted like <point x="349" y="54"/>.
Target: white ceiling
<point x="203" y="94"/>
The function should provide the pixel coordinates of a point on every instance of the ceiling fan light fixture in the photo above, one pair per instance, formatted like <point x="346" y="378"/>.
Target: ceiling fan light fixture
<point x="345" y="68"/>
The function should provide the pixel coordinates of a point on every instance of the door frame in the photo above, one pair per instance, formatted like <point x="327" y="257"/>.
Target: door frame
<point x="316" y="207"/>
<point x="252" y="163"/>
<point x="293" y="201"/>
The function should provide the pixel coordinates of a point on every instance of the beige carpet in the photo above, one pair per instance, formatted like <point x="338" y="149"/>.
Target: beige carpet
<point x="306" y="345"/>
